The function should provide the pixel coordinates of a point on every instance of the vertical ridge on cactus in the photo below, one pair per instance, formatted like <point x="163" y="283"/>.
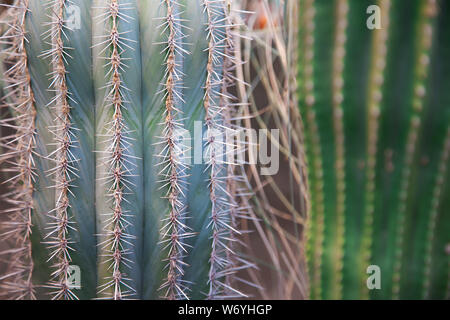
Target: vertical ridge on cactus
<point x="339" y="136"/>
<point x="119" y="158"/>
<point x="120" y="147"/>
<point x="375" y="96"/>
<point x="231" y="183"/>
<point x="315" y="224"/>
<point x="19" y="153"/>
<point x="215" y="145"/>
<point x="175" y="230"/>
<point x="432" y="220"/>
<point x="425" y="31"/>
<point x="58" y="238"/>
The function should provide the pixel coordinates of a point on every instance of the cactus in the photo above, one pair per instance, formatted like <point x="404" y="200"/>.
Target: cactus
<point x="100" y="179"/>
<point x="375" y="105"/>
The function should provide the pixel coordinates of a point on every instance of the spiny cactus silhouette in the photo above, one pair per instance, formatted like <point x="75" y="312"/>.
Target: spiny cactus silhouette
<point x="376" y="108"/>
<point x="99" y="92"/>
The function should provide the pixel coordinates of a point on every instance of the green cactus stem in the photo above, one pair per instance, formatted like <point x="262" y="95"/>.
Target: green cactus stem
<point x="103" y="95"/>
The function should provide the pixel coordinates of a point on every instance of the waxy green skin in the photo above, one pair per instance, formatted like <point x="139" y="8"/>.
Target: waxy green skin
<point x="395" y="111"/>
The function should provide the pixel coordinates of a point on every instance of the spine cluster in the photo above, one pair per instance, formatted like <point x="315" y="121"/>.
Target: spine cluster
<point x="116" y="159"/>
<point x="19" y="153"/>
<point x="174" y="231"/>
<point x="214" y="147"/>
<point x="224" y="181"/>
<point x="432" y="220"/>
<point x="64" y="169"/>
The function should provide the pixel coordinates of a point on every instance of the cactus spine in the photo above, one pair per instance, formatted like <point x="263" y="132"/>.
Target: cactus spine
<point x="20" y="151"/>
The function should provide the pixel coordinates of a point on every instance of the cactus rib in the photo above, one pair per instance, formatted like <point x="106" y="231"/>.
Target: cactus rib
<point x="117" y="160"/>
<point x="220" y="219"/>
<point x="375" y="95"/>
<point x="21" y="150"/>
<point x="338" y="113"/>
<point x="226" y="98"/>
<point x="428" y="11"/>
<point x="64" y="169"/>
<point x="174" y="231"/>
<point x="315" y="225"/>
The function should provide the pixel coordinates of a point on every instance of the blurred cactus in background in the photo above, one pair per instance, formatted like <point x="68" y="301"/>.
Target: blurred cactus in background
<point x="375" y="104"/>
<point x="99" y="175"/>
